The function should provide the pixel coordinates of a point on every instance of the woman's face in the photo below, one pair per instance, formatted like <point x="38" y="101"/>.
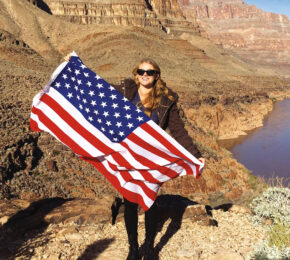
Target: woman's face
<point x="146" y="80"/>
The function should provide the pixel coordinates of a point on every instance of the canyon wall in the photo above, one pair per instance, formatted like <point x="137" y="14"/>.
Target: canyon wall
<point x="257" y="36"/>
<point x="163" y="14"/>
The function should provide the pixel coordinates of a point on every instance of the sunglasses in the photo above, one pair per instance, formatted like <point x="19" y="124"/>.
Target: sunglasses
<point x="148" y="72"/>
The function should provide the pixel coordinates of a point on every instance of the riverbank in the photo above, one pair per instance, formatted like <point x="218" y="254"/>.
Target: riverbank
<point x="229" y="118"/>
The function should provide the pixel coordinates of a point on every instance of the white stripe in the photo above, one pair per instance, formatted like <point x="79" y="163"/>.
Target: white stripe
<point x="146" y="137"/>
<point x="68" y="130"/>
<point x="175" y="143"/>
<point x="128" y="185"/>
<point x="41" y="126"/>
<point x="145" y="153"/>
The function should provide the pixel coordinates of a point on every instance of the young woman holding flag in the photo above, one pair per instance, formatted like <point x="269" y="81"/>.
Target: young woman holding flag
<point x="149" y="92"/>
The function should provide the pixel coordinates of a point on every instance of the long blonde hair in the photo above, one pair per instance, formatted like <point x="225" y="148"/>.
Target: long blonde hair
<point x="159" y="88"/>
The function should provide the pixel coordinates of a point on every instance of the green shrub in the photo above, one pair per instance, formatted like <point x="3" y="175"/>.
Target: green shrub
<point x="273" y="205"/>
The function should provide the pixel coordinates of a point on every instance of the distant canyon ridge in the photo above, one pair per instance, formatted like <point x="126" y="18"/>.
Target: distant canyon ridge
<point x="256" y="36"/>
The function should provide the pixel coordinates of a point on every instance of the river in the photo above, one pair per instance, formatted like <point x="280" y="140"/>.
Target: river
<point x="265" y="151"/>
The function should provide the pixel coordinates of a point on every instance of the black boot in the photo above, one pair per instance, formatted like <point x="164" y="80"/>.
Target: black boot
<point x="131" y="222"/>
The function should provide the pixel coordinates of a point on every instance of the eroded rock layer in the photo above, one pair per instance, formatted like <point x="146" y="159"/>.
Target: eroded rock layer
<point x="256" y="35"/>
<point x="162" y="14"/>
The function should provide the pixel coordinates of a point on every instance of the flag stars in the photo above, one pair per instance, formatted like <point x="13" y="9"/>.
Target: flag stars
<point x="101" y="94"/>
<point x="99" y="86"/>
<point x="103" y="129"/>
<point x="80" y="106"/>
<point x="106" y="113"/>
<point x="130" y="125"/>
<point x="85" y="101"/>
<point x="79" y="81"/>
<point x="117" y="115"/>
<point x="87" y="110"/>
<point x="128" y="116"/>
<point x="78" y="97"/>
<point x="115" y="139"/>
<point x="83" y="66"/>
<point x="96" y="112"/>
<point x="111" y="132"/>
<point x="73" y="79"/>
<point x="57" y="84"/>
<point x="119" y="124"/>
<point x="99" y="120"/>
<point x="140" y="118"/>
<point x="126" y="107"/>
<point x="82" y="91"/>
<point x="97" y="77"/>
<point x="121" y="133"/>
<point x="70" y="95"/>
<point x="67" y="85"/>
<point x="93" y="103"/>
<point x="90" y="118"/>
<point x="89" y="83"/>
<point x="108" y="123"/>
<point x="91" y="93"/>
<point x="77" y="72"/>
<point x="113" y="96"/>
<point x="111" y="88"/>
<point x="104" y="104"/>
<point x="64" y="76"/>
<point x="86" y="74"/>
<point x="69" y="69"/>
<point x="115" y="105"/>
<point x="125" y="99"/>
<point x="138" y="110"/>
<point x="76" y="88"/>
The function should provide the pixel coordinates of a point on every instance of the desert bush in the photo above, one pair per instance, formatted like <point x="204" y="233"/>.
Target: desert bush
<point x="273" y="205"/>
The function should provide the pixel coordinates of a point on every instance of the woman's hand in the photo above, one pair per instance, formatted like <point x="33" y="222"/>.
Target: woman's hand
<point x="202" y="160"/>
<point x="67" y="57"/>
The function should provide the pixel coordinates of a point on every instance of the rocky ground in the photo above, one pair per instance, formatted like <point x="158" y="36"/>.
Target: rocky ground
<point x="82" y="229"/>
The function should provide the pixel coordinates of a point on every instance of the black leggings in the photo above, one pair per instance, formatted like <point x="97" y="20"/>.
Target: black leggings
<point x="131" y="222"/>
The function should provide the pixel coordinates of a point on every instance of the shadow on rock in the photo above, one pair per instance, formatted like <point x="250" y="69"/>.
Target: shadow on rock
<point x="95" y="249"/>
<point x="173" y="207"/>
<point x="25" y="225"/>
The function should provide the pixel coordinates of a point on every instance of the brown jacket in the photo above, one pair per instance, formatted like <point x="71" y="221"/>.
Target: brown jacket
<point x="167" y="113"/>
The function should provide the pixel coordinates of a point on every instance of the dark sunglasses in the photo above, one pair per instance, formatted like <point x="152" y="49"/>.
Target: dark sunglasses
<point x="149" y="72"/>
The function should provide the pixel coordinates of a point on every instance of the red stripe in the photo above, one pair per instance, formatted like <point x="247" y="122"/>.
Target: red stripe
<point x="137" y="140"/>
<point x="75" y="124"/>
<point x="34" y="126"/>
<point x="129" y="177"/>
<point x="164" y="141"/>
<point x="64" y="138"/>
<point x="129" y="195"/>
<point x="150" y="164"/>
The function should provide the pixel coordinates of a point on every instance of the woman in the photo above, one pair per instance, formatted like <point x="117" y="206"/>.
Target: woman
<point x="149" y="92"/>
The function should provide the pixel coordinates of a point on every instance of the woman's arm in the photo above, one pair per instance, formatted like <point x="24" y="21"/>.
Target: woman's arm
<point x="177" y="130"/>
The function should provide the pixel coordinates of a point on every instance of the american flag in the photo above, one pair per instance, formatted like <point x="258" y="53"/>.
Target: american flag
<point x="104" y="128"/>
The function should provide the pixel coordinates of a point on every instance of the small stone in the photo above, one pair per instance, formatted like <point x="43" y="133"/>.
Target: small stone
<point x="240" y="209"/>
<point x="51" y="166"/>
<point x="53" y="257"/>
<point x="4" y="220"/>
<point x="226" y="256"/>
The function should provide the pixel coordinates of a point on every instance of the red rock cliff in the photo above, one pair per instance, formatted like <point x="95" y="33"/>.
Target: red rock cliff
<point x="258" y="36"/>
<point x="165" y="14"/>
